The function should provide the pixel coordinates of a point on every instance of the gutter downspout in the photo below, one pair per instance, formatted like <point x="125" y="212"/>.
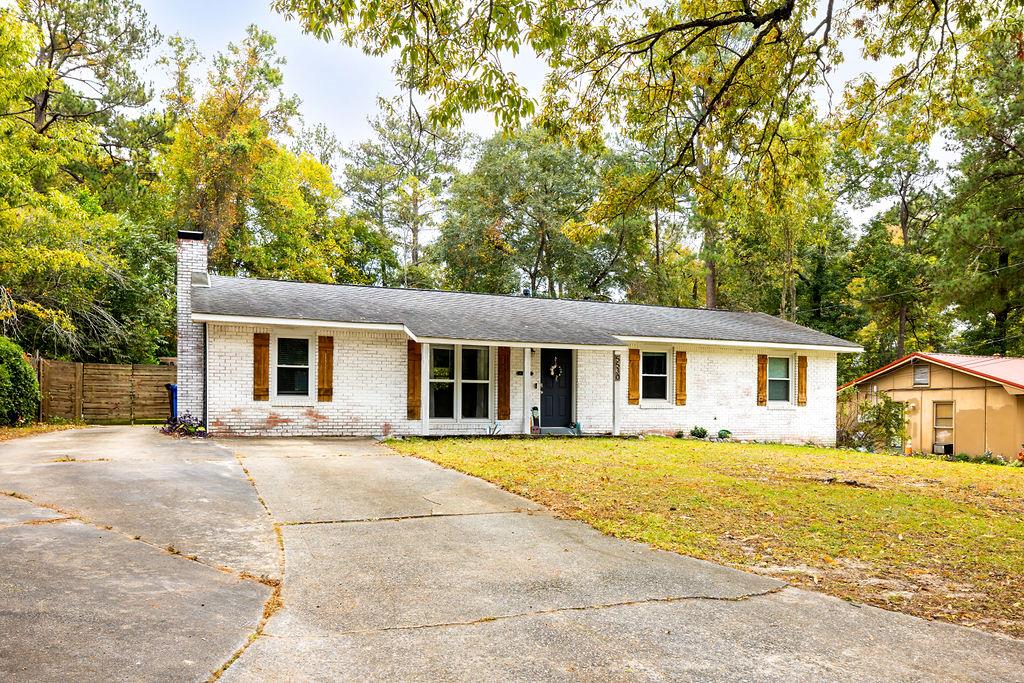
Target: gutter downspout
<point x="206" y="375"/>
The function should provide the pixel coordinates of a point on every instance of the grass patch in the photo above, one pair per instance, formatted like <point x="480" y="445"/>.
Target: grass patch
<point x="8" y="433"/>
<point x="942" y="540"/>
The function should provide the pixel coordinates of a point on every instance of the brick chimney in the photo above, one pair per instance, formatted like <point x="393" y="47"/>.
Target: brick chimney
<point x="192" y="254"/>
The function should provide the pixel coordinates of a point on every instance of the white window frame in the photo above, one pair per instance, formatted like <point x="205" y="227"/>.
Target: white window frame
<point x="789" y="381"/>
<point x="952" y="419"/>
<point x="458" y="381"/>
<point x="668" y="374"/>
<point x="293" y="399"/>
<point x="927" y="375"/>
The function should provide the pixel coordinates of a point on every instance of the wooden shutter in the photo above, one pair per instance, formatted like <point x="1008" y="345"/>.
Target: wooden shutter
<point x="762" y="379"/>
<point x="801" y="380"/>
<point x="680" y="378"/>
<point x="504" y="383"/>
<point x="325" y="368"/>
<point x="634" y="376"/>
<point x="414" y="383"/>
<point x="261" y="366"/>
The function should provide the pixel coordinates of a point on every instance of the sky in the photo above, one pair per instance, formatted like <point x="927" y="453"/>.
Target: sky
<point x="338" y="85"/>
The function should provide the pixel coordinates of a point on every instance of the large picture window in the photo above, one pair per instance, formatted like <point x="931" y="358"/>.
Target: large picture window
<point x="460" y="382"/>
<point x="654" y="375"/>
<point x="779" y="379"/>
<point x="292" y="366"/>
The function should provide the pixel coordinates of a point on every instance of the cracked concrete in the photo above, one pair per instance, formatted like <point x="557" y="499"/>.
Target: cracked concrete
<point x="393" y="569"/>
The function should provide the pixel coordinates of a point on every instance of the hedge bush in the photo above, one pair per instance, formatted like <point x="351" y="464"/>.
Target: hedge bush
<point x="19" y="390"/>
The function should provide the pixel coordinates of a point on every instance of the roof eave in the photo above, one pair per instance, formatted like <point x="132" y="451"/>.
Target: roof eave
<point x="635" y="339"/>
<point x="1011" y="387"/>
<point x="226" y="319"/>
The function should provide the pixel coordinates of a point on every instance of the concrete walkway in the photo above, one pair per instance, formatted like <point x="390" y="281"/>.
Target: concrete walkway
<point x="393" y="569"/>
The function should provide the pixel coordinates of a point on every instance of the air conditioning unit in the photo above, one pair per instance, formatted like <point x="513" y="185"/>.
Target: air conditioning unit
<point x="942" y="449"/>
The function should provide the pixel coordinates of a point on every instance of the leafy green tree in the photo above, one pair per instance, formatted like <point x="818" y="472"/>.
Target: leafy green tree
<point x="397" y="181"/>
<point x="88" y="53"/>
<point x="893" y="285"/>
<point x="19" y="390"/>
<point x="514" y="220"/>
<point x="691" y="74"/>
<point x="223" y="136"/>
<point x="268" y="211"/>
<point x="896" y="171"/>
<point x="981" y="235"/>
<point x="72" y="282"/>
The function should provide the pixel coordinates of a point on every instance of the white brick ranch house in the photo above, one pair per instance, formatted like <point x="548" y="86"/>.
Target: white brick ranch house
<point x="258" y="357"/>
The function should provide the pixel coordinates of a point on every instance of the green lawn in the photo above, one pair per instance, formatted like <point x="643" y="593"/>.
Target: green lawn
<point x="937" y="539"/>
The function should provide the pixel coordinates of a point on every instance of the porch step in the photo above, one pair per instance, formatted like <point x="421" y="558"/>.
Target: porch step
<point x="558" y="431"/>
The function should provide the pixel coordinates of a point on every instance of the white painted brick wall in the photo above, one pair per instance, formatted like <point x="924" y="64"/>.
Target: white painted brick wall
<point x="191" y="258"/>
<point x="721" y="393"/>
<point x="370" y="391"/>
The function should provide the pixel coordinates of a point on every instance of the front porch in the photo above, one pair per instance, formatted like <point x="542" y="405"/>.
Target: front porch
<point x="459" y="387"/>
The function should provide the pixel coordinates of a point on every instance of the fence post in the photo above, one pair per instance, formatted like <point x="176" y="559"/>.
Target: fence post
<point x="79" y="390"/>
<point x="131" y="393"/>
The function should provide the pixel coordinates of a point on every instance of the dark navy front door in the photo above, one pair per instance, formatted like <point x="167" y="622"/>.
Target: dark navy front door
<point x="555" y="387"/>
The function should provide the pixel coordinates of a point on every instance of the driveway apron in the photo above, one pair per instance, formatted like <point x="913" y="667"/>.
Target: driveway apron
<point x="398" y="569"/>
<point x="126" y="555"/>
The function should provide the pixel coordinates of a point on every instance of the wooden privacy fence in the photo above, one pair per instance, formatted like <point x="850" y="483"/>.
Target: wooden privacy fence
<point x="103" y="392"/>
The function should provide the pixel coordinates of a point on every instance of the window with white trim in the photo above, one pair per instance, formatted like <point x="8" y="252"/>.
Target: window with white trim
<point x="779" y="379"/>
<point x="460" y="382"/>
<point x="292" y="366"/>
<point x="654" y="375"/>
<point x="475" y="377"/>
<point x="921" y="375"/>
<point x="442" y="381"/>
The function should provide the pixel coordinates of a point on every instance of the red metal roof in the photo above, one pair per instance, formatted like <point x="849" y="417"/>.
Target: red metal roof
<point x="1004" y="370"/>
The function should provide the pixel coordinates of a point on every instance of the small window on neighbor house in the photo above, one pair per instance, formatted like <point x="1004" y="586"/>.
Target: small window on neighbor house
<point x="921" y="375"/>
<point x="943" y="423"/>
<point x="654" y="375"/>
<point x="292" y="367"/>
<point x="778" y="379"/>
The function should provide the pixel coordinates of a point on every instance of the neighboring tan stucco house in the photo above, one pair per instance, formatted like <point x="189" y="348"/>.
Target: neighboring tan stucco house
<point x="258" y="357"/>
<point x="954" y="403"/>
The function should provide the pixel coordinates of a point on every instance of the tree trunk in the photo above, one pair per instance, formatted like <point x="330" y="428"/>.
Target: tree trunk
<point x="414" y="236"/>
<point x="657" y="240"/>
<point x="711" y="285"/>
<point x="1002" y="315"/>
<point x="901" y="335"/>
<point x="710" y="248"/>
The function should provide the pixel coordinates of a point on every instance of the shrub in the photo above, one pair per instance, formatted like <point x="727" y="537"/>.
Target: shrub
<point x="724" y="434"/>
<point x="184" y="425"/>
<point x="875" y="425"/>
<point x="19" y="389"/>
<point x="699" y="433"/>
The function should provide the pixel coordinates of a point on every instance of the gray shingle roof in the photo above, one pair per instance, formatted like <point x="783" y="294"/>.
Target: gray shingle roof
<point x="486" y="317"/>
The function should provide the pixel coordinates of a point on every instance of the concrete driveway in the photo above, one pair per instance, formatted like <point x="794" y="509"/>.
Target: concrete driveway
<point x="125" y="555"/>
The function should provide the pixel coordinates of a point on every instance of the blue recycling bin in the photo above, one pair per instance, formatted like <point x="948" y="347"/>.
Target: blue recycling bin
<point x="172" y="398"/>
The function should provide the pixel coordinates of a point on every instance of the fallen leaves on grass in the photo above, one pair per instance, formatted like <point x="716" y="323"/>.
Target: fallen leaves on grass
<point x="941" y="540"/>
